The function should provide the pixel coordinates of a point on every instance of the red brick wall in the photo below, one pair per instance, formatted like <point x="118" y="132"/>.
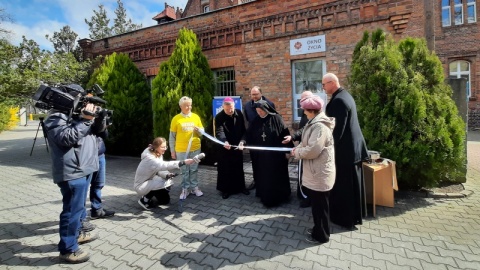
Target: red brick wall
<point x="254" y="39"/>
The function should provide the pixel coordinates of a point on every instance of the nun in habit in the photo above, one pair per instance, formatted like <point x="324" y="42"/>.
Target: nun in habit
<point x="270" y="168"/>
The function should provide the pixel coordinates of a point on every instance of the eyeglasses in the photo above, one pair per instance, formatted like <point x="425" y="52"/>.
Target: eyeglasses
<point x="164" y="147"/>
<point x="323" y="84"/>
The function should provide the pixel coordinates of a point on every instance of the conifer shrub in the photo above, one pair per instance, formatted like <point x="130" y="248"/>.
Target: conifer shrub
<point x="406" y="110"/>
<point x="185" y="73"/>
<point x="128" y="95"/>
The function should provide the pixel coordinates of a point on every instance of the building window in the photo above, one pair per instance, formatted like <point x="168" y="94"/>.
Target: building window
<point x="446" y="13"/>
<point x="461" y="69"/>
<point x="458" y="11"/>
<point x="206" y="8"/>
<point x="224" y="82"/>
<point x="471" y="11"/>
<point x="459" y="16"/>
<point x="307" y="75"/>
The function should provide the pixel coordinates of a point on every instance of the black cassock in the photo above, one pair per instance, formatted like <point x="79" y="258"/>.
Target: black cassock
<point x="270" y="168"/>
<point x="347" y="197"/>
<point x="231" y="178"/>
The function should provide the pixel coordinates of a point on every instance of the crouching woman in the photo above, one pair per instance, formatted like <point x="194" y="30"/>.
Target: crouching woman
<point x="152" y="178"/>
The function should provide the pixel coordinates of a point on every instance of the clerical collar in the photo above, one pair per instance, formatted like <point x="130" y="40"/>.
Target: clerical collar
<point x="263" y="116"/>
<point x="186" y="115"/>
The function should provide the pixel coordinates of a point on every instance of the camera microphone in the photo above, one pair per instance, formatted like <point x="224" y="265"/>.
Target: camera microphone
<point x="198" y="157"/>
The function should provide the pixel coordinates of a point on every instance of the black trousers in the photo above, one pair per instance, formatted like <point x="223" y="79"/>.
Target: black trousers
<point x="320" y="213"/>
<point x="162" y="196"/>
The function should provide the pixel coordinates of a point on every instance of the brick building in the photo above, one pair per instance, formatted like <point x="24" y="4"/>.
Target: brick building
<point x="286" y="46"/>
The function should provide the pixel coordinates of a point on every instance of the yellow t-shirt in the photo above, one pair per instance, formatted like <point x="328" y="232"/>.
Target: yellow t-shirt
<point x="183" y="127"/>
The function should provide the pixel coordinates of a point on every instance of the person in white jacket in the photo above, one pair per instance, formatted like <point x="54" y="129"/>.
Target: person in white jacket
<point x="152" y="177"/>
<point x="316" y="150"/>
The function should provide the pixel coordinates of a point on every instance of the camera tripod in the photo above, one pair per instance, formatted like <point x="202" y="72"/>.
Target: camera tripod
<point x="42" y="125"/>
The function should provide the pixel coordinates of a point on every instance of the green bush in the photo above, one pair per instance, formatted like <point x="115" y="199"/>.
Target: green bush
<point x="128" y="95"/>
<point x="406" y="110"/>
<point x="4" y="116"/>
<point x="186" y="73"/>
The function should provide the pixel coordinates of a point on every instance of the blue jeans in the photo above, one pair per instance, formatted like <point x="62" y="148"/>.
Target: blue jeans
<point x="189" y="172"/>
<point x="98" y="182"/>
<point x="84" y="213"/>
<point x="74" y="195"/>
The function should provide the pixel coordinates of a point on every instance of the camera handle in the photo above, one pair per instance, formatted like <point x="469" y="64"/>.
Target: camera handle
<point x="41" y="124"/>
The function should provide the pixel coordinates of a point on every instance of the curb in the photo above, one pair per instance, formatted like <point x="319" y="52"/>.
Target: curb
<point x="456" y="195"/>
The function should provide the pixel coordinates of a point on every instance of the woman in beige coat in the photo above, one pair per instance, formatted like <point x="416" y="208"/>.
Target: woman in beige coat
<point x="318" y="165"/>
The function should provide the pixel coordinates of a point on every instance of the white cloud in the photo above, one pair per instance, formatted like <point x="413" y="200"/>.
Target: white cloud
<point x="52" y="15"/>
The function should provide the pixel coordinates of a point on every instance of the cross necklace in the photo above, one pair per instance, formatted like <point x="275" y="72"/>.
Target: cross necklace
<point x="263" y="131"/>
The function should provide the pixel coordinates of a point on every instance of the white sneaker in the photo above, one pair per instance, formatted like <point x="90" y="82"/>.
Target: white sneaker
<point x="197" y="192"/>
<point x="168" y="183"/>
<point x="184" y="194"/>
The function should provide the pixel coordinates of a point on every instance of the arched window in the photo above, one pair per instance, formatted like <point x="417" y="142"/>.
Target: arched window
<point x="206" y="8"/>
<point x="461" y="69"/>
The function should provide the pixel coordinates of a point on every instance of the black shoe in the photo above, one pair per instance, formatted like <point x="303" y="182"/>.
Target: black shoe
<point x="225" y="195"/>
<point x="311" y="240"/>
<point x="305" y="203"/>
<point x="252" y="186"/>
<point x="246" y="192"/>
<point x="145" y="205"/>
<point x="101" y="213"/>
<point x="309" y="231"/>
<point x="87" y="226"/>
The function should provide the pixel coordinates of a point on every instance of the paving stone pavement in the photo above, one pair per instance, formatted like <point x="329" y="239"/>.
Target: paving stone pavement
<point x="212" y="233"/>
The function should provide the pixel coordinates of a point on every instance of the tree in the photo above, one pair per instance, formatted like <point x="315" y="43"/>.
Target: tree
<point x="121" y="24"/>
<point x="63" y="41"/>
<point x="98" y="25"/>
<point x="406" y="110"/>
<point x="9" y="77"/>
<point x="186" y="73"/>
<point x="128" y="95"/>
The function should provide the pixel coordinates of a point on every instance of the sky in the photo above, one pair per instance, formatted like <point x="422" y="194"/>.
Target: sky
<point x="36" y="18"/>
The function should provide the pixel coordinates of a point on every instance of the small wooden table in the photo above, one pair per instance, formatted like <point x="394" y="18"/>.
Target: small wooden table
<point x="380" y="182"/>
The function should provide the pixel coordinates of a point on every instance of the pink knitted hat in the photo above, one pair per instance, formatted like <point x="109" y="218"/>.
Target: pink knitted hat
<point x="311" y="103"/>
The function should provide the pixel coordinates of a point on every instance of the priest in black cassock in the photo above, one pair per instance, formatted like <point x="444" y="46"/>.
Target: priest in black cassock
<point x="348" y="204"/>
<point x="270" y="168"/>
<point x="230" y="129"/>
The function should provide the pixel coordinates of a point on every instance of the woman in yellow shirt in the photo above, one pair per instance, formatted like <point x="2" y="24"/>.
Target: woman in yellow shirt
<point x="184" y="143"/>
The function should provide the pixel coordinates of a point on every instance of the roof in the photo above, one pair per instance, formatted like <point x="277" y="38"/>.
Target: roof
<point x="169" y="12"/>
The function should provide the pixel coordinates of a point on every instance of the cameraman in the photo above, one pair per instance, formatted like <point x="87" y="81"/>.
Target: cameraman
<point x="74" y="153"/>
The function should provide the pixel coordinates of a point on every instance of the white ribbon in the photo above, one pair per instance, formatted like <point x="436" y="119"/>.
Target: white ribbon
<point x="282" y="149"/>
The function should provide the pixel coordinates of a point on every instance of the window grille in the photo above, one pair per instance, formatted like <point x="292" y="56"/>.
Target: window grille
<point x="224" y="82"/>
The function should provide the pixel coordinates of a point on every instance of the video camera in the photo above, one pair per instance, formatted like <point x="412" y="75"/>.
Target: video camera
<point x="71" y="99"/>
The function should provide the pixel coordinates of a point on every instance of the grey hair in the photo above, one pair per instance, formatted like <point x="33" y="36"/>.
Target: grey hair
<point x="331" y="76"/>
<point x="183" y="100"/>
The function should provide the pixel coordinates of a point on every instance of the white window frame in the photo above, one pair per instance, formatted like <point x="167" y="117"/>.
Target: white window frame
<point x="315" y="80"/>
<point x="449" y="17"/>
<point x="455" y="7"/>
<point x="458" y="74"/>
<point x="206" y="8"/>
<point x="472" y="4"/>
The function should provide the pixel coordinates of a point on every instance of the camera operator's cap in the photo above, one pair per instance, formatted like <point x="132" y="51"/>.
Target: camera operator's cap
<point x="228" y="100"/>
